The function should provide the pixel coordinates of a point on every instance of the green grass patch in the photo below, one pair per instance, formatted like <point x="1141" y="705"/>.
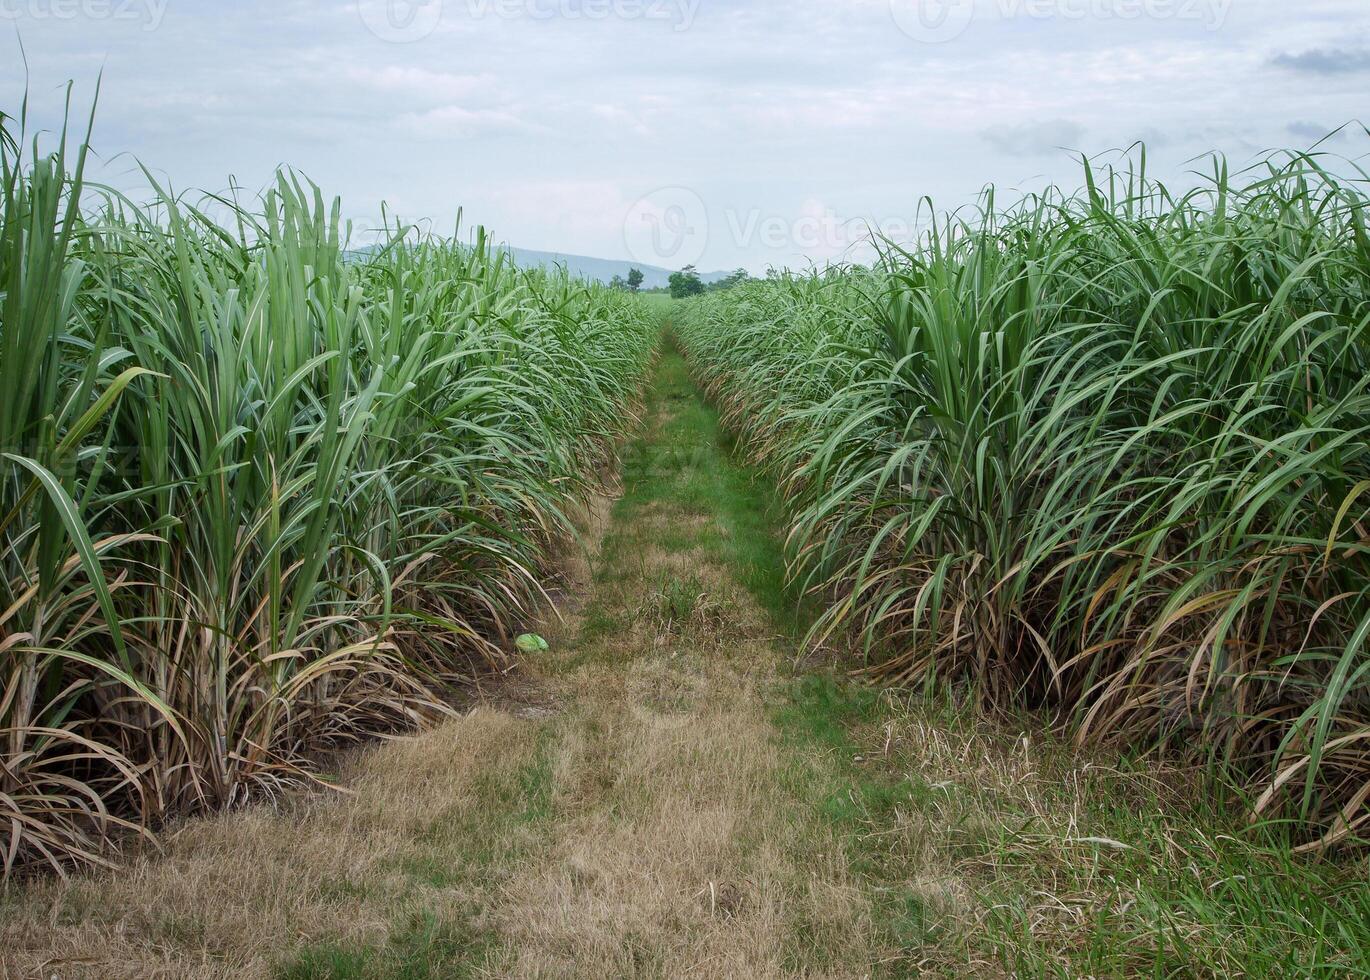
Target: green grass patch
<point x="686" y="466"/>
<point x="424" y="947"/>
<point x="1156" y="882"/>
<point x="821" y="712"/>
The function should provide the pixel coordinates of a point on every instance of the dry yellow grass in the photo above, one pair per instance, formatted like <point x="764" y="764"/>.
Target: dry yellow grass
<point x="231" y="894"/>
<point x="678" y="850"/>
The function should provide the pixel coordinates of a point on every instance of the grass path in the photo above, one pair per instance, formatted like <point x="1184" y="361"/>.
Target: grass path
<point x="660" y="795"/>
<point x="674" y="833"/>
<point x="670" y="828"/>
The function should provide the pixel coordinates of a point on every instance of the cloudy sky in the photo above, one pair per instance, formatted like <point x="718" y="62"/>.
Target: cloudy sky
<point x="722" y="132"/>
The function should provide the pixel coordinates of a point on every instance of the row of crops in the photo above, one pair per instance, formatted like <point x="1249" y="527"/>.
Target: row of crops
<point x="260" y="495"/>
<point x="1103" y="454"/>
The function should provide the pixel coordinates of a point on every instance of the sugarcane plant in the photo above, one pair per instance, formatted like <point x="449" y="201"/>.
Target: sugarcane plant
<point x="261" y="492"/>
<point x="1102" y="453"/>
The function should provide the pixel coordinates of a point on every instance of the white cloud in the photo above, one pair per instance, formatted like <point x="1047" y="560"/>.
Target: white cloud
<point x="556" y="213"/>
<point x="412" y="82"/>
<point x="448" y="121"/>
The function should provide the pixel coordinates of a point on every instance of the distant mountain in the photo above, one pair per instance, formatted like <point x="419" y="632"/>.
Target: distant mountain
<point x="581" y="266"/>
<point x="600" y="270"/>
